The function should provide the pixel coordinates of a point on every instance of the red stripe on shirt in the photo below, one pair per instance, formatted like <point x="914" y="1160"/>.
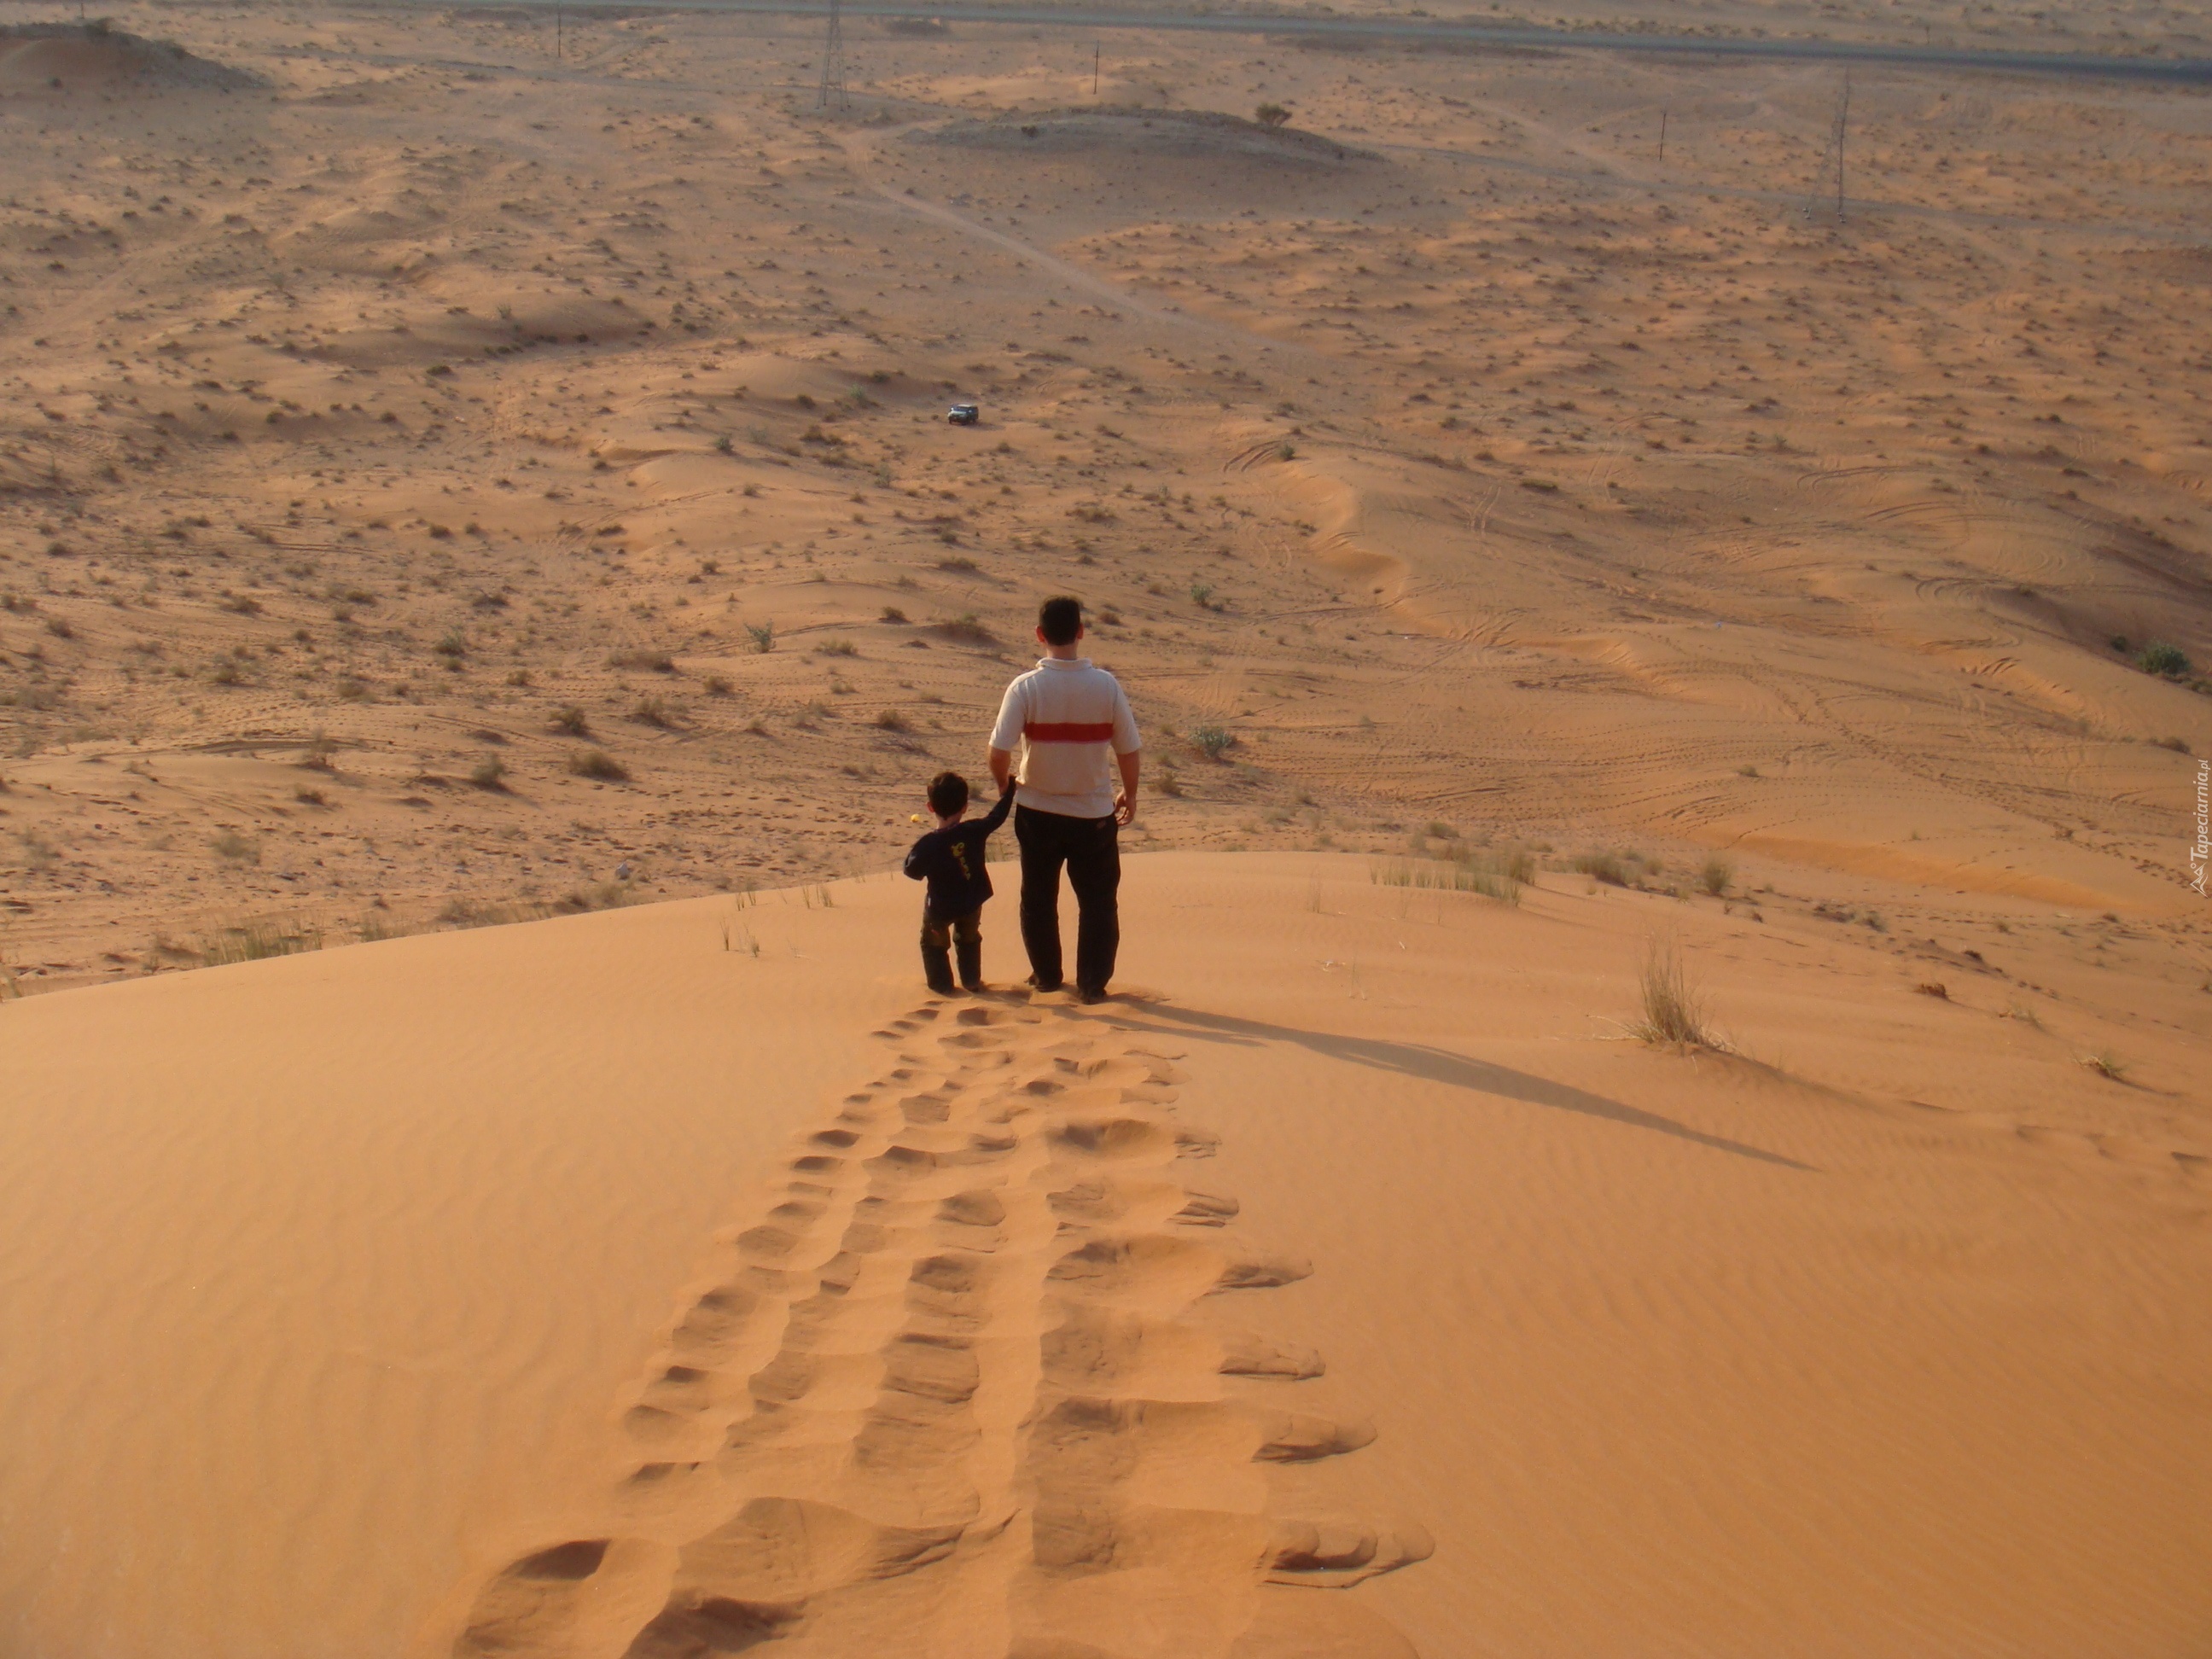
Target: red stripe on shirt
<point x="1067" y="731"/>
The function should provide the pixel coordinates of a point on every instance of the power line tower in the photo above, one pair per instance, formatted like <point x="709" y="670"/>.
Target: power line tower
<point x="832" y="90"/>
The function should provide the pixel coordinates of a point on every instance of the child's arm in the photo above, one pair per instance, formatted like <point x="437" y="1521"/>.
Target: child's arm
<point x="997" y="814"/>
<point x="919" y="858"/>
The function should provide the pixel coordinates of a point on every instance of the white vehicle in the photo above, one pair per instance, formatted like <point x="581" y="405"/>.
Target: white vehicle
<point x="964" y="415"/>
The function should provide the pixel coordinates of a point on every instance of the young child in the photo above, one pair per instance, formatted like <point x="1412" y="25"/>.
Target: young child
<point x="950" y="858"/>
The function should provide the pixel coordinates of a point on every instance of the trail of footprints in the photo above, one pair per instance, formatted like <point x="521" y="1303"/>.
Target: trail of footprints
<point x="943" y="1398"/>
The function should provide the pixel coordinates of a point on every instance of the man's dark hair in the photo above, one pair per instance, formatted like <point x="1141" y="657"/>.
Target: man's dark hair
<point x="1061" y="620"/>
<point x="948" y="793"/>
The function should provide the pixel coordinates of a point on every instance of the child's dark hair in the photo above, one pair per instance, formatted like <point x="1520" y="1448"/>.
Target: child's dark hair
<point x="948" y="793"/>
<point x="1061" y="620"/>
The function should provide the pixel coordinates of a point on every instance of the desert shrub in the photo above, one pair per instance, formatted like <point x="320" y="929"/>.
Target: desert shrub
<point x="572" y="720"/>
<point x="1271" y="115"/>
<point x="838" y="648"/>
<point x="489" y="773"/>
<point x="717" y="685"/>
<point x="2169" y="660"/>
<point x="235" y="849"/>
<point x="893" y="614"/>
<point x="969" y="629"/>
<point x="653" y="711"/>
<point x="1715" y="876"/>
<point x="892" y="721"/>
<point x="762" y="635"/>
<point x="659" y="662"/>
<point x="1212" y="741"/>
<point x="599" y="764"/>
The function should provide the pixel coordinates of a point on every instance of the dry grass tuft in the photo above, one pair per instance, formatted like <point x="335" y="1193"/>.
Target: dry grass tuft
<point x="1499" y="875"/>
<point x="1673" y="1008"/>
<point x="255" y="941"/>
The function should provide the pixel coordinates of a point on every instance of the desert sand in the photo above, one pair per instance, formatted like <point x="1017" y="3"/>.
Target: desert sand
<point x="477" y="525"/>
<point x="608" y="1285"/>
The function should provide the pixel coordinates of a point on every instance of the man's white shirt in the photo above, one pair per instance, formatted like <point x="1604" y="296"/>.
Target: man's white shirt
<point x="1066" y="719"/>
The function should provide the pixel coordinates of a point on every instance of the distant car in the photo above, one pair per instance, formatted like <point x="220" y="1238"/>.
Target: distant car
<point x="963" y="413"/>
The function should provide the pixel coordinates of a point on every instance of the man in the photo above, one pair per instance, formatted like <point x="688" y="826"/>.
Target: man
<point x="1075" y="729"/>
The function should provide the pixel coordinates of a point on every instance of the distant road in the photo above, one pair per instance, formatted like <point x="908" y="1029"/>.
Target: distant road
<point x="2194" y="70"/>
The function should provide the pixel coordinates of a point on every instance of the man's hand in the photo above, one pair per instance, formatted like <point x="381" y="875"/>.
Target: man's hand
<point x="1002" y="768"/>
<point x="1125" y="798"/>
<point x="1125" y="808"/>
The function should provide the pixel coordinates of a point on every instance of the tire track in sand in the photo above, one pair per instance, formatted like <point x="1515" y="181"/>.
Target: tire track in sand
<point x="946" y="1398"/>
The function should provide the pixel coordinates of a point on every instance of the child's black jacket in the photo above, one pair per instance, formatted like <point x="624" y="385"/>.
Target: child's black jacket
<point x="951" y="862"/>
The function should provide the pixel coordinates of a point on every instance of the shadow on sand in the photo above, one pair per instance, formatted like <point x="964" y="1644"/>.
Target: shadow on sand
<point x="1431" y="1066"/>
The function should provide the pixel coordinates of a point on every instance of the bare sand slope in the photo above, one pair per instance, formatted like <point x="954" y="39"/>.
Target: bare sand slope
<point x="610" y="1286"/>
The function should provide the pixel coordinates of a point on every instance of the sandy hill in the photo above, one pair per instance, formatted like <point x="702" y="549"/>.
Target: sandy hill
<point x="58" y="58"/>
<point x="488" y="467"/>
<point x="673" y="1281"/>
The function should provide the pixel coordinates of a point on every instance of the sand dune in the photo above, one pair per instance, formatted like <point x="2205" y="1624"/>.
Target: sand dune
<point x="593" y="1286"/>
<point x="466" y="475"/>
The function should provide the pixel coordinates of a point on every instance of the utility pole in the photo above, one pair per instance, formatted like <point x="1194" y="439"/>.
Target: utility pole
<point x="1837" y="136"/>
<point x="557" y="21"/>
<point x="1663" y="133"/>
<point x="833" y="64"/>
<point x="1094" y="68"/>
<point x="1843" y="125"/>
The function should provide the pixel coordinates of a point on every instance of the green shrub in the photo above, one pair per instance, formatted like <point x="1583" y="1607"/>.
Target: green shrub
<point x="2169" y="660"/>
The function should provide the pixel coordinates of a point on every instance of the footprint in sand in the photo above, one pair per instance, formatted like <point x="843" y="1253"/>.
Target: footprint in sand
<point x="945" y="1397"/>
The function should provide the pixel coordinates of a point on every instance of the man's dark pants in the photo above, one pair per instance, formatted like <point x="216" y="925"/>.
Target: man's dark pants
<point x="1092" y="850"/>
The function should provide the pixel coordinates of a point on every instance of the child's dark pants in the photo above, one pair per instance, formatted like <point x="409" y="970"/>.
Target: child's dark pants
<point x="938" y="934"/>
